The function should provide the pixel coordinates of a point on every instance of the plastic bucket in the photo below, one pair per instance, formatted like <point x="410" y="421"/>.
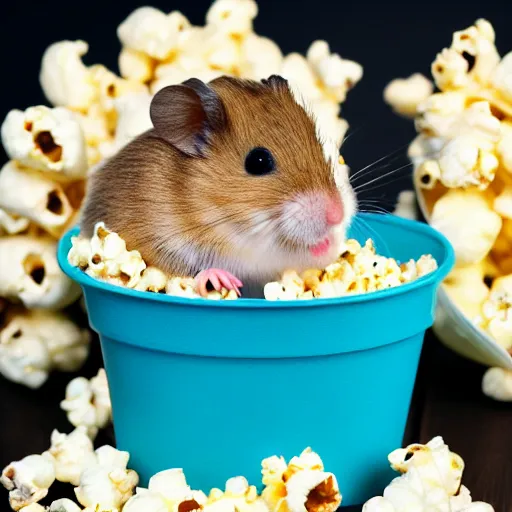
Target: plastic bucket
<point x="214" y="387"/>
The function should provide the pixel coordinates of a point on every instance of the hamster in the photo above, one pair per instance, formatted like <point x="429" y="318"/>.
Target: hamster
<point x="233" y="185"/>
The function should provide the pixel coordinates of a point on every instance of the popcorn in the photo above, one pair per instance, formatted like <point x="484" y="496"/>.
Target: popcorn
<point x="30" y="273"/>
<point x="64" y="78"/>
<point x="136" y="66"/>
<point x="151" y="32"/>
<point x="405" y="94"/>
<point x="260" y="57"/>
<point x="406" y="205"/>
<point x="497" y="384"/>
<point x="232" y="17"/>
<point x="503" y="203"/>
<point x="35" y="197"/>
<point x="146" y="501"/>
<point x="181" y="287"/>
<point x="27" y="480"/>
<point x="65" y="505"/>
<point x="300" y="485"/>
<point x="33" y="343"/>
<point x="12" y="224"/>
<point x="469" y="223"/>
<point x="87" y="403"/>
<point x="496" y="317"/>
<point x="107" y="483"/>
<point x="427" y="174"/>
<point x="152" y="280"/>
<point x="69" y="453"/>
<point x="238" y="495"/>
<point x="504" y="147"/>
<point x="357" y="270"/>
<point x="46" y="139"/>
<point x="501" y="78"/>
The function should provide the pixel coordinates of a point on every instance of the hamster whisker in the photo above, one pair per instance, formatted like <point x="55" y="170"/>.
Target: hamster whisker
<point x="365" y="228"/>
<point x="380" y="178"/>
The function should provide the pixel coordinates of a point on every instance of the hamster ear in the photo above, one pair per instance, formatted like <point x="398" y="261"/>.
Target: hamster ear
<point x="186" y="115"/>
<point x="277" y="82"/>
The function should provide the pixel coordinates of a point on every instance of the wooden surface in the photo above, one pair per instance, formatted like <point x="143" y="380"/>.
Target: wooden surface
<point x="447" y="401"/>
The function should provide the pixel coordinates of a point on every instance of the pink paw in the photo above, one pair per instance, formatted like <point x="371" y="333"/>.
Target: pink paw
<point x="219" y="279"/>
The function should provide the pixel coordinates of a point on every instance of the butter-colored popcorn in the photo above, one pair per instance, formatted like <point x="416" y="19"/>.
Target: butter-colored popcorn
<point x="182" y="287"/>
<point x="450" y="70"/>
<point x="11" y="224"/>
<point x="501" y="78"/>
<point x="152" y="280"/>
<point x="504" y="147"/>
<point x="152" y="32"/>
<point x="94" y="125"/>
<point x="503" y="202"/>
<point x="27" y="480"/>
<point x="135" y="65"/>
<point x="64" y="78"/>
<point x="497" y="384"/>
<point x="238" y="495"/>
<point x="106" y="483"/>
<point x="300" y="485"/>
<point x="65" y="505"/>
<point x="405" y="94"/>
<point x="70" y="453"/>
<point x="232" y="17"/>
<point x="34" y="507"/>
<point x="427" y="174"/>
<point x="87" y="403"/>
<point x="469" y="223"/>
<point x="30" y="273"/>
<point x="496" y="317"/>
<point x="260" y="57"/>
<point x="47" y="139"/>
<point x="36" y="197"/>
<point x="146" y="501"/>
<point x="406" y="205"/>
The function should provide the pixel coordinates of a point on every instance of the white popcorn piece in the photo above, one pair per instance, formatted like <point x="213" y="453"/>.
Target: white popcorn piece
<point x="27" y="480"/>
<point x="87" y="403"/>
<point x="47" y="139"/>
<point x="503" y="202"/>
<point x="290" y="487"/>
<point x="107" y="483"/>
<point x="153" y="280"/>
<point x="496" y="317"/>
<point x="146" y="501"/>
<point x="497" y="384"/>
<point x="132" y="117"/>
<point x="34" y="507"/>
<point x="427" y="174"/>
<point x="65" y="505"/>
<point x="450" y="70"/>
<point x="232" y="17"/>
<point x="238" y="495"/>
<point x="302" y="79"/>
<point x="64" y="78"/>
<point x="469" y="223"/>
<point x="260" y="57"/>
<point x="405" y="94"/>
<point x="182" y="287"/>
<point x="30" y="273"/>
<point x="36" y="197"/>
<point x="11" y="224"/>
<point x="504" y="147"/>
<point x="95" y="126"/>
<point x="70" y="453"/>
<point x="150" y="31"/>
<point x="135" y="65"/>
<point x="406" y="205"/>
<point x="502" y="77"/>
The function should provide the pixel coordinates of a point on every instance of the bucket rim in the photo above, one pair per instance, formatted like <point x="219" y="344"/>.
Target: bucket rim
<point x="433" y="278"/>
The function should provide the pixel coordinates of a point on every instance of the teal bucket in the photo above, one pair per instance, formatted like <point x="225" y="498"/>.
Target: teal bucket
<point x="214" y="387"/>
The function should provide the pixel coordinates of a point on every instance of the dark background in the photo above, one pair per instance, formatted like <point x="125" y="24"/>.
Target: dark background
<point x="389" y="39"/>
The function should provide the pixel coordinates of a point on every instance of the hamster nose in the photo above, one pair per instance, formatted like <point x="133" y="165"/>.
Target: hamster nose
<point x="334" y="211"/>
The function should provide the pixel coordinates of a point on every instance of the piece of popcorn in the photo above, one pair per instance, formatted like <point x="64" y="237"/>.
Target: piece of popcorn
<point x="290" y="287"/>
<point x="406" y="205"/>
<point x="182" y="287"/>
<point x="466" y="219"/>
<point x="503" y="202"/>
<point x="427" y="174"/>
<point x="64" y="78"/>
<point x="12" y="224"/>
<point x="65" y="505"/>
<point x="504" y="147"/>
<point x="466" y="287"/>
<point x="87" y="403"/>
<point x="36" y="197"/>
<point x="34" y="507"/>
<point x="146" y="501"/>
<point x="405" y="94"/>
<point x="502" y="77"/>
<point x="94" y="126"/>
<point x="496" y="317"/>
<point x="260" y="57"/>
<point x="107" y="483"/>
<point x="232" y="17"/>
<point x="70" y="453"/>
<point x="132" y="117"/>
<point x="300" y="485"/>
<point x="27" y="480"/>
<point x="497" y="384"/>
<point x="47" y="139"/>
<point x="135" y="65"/>
<point x="150" y="31"/>
<point x="238" y="495"/>
<point x="152" y="280"/>
<point x="450" y="70"/>
<point x="30" y="273"/>
<point x="303" y="81"/>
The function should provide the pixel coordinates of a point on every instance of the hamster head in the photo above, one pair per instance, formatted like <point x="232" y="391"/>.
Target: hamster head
<point x="265" y="188"/>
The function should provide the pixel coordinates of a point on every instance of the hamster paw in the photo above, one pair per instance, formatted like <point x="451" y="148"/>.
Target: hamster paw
<point x="219" y="279"/>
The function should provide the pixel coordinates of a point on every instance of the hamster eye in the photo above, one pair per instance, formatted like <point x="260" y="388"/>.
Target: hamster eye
<point x="259" y="161"/>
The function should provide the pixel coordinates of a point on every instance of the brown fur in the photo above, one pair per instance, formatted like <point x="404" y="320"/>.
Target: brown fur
<point x="151" y="192"/>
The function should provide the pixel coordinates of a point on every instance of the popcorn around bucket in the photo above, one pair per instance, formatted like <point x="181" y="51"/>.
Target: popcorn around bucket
<point x="317" y="350"/>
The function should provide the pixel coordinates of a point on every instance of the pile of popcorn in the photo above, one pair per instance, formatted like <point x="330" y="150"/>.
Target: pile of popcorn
<point x="430" y="481"/>
<point x="357" y="270"/>
<point x="92" y="113"/>
<point x="462" y="159"/>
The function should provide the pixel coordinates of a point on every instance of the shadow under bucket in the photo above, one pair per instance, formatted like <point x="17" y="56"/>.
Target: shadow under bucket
<point x="214" y="387"/>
